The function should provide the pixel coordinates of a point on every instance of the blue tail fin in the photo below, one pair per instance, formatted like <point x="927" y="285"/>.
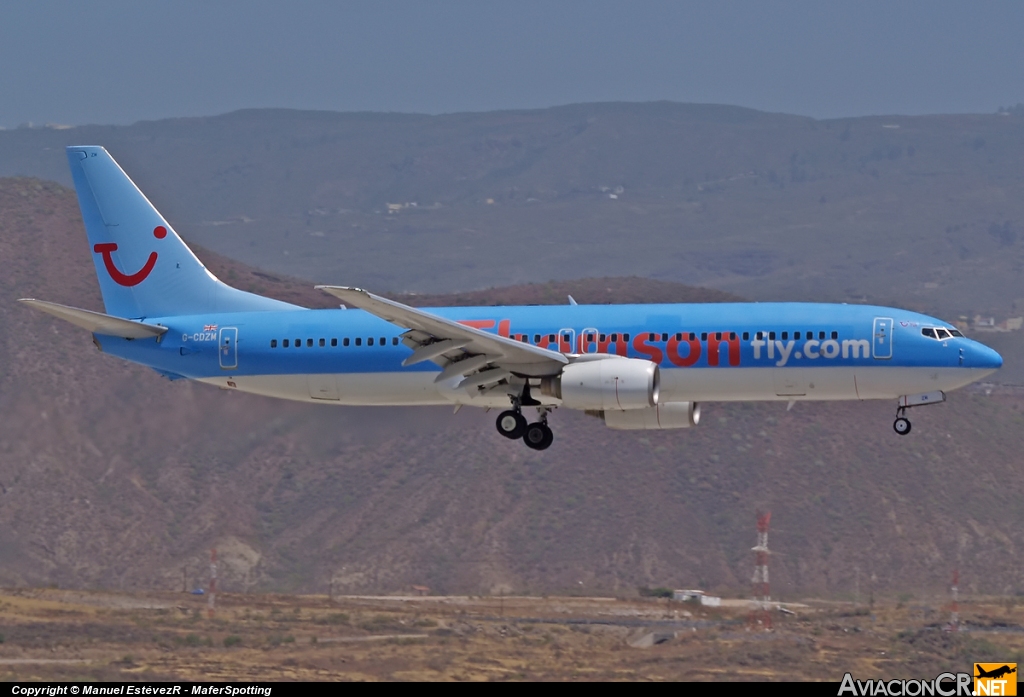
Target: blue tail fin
<point x="144" y="268"/>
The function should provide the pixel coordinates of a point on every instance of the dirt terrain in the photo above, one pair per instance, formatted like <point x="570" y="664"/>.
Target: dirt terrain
<point x="113" y="477"/>
<point x="79" y="635"/>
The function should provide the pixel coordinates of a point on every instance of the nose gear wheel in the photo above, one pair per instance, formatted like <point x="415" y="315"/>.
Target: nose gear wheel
<point x="901" y="425"/>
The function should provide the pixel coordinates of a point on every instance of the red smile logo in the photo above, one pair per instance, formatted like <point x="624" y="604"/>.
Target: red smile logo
<point x="139" y="276"/>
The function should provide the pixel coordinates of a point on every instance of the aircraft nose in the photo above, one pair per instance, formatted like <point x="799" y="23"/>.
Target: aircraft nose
<point x="985" y="358"/>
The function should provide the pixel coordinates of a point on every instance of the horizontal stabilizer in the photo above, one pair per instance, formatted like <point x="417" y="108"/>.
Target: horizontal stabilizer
<point x="97" y="322"/>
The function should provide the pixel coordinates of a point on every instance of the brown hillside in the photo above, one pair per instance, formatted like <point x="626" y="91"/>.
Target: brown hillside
<point x="921" y="211"/>
<point x="111" y="476"/>
<point x="586" y="290"/>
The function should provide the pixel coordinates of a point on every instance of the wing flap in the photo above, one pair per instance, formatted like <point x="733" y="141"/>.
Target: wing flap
<point x="97" y="322"/>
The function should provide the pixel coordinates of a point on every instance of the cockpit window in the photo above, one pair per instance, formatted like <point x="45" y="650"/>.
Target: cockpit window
<point x="939" y="333"/>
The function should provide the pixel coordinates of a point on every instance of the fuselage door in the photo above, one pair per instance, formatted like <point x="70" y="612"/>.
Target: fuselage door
<point x="228" y="348"/>
<point x="567" y="340"/>
<point x="881" y="341"/>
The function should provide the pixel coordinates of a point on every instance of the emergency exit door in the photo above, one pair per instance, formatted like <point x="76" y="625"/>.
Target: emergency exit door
<point x="228" y="348"/>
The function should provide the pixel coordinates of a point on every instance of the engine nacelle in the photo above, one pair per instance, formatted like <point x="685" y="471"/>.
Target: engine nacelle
<point x="606" y="383"/>
<point x="662" y="416"/>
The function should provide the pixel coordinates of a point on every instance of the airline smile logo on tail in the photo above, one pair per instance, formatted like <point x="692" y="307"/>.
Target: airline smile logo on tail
<point x="139" y="276"/>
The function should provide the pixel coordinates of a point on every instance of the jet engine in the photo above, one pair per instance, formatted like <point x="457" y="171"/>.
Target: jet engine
<point x="606" y="383"/>
<point x="660" y="417"/>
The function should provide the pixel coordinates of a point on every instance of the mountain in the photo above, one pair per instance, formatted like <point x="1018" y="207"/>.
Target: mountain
<point x="113" y="477"/>
<point x="923" y="211"/>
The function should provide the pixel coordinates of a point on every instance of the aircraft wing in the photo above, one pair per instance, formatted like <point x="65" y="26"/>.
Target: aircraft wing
<point x="458" y="349"/>
<point x="97" y="322"/>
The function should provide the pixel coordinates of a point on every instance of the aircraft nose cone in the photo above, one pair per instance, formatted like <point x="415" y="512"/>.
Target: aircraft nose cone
<point x="985" y="358"/>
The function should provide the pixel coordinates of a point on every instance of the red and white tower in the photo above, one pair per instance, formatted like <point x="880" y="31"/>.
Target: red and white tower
<point x="761" y="615"/>
<point x="954" y="609"/>
<point x="211" y="599"/>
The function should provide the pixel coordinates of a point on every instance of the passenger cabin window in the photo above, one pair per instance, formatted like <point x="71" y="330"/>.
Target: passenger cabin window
<point x="760" y="336"/>
<point x="551" y="338"/>
<point x="650" y="337"/>
<point x="536" y="338"/>
<point x="625" y="337"/>
<point x="394" y="341"/>
<point x="298" y="343"/>
<point x="369" y="342"/>
<point x="334" y="342"/>
<point x="679" y="336"/>
<point x="285" y="343"/>
<point x="771" y="336"/>
<point x="746" y="336"/>
<point x="703" y="336"/>
<point x="273" y="343"/>
<point x="323" y="342"/>
<point x="796" y="335"/>
<point x="835" y="335"/>
<point x="344" y="342"/>
<point x="359" y="341"/>
<point x="785" y="336"/>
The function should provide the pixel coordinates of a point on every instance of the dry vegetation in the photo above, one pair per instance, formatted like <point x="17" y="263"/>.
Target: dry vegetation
<point x="112" y="477"/>
<point x="75" y="635"/>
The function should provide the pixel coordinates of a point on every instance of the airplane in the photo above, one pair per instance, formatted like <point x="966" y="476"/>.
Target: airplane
<point x="636" y="367"/>
<point x="995" y="672"/>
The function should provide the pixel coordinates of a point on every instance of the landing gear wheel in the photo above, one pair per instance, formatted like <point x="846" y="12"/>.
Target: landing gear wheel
<point x="538" y="436"/>
<point x="901" y="426"/>
<point x="511" y="424"/>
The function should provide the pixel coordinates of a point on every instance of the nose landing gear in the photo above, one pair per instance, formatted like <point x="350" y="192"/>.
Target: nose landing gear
<point x="512" y="424"/>
<point x="902" y="424"/>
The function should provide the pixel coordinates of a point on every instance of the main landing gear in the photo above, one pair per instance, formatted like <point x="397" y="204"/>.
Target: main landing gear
<point x="512" y="424"/>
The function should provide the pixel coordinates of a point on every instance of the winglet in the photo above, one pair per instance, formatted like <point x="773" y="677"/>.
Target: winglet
<point x="572" y="301"/>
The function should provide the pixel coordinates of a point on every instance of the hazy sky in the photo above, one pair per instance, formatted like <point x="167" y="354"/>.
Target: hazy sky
<point x="109" y="61"/>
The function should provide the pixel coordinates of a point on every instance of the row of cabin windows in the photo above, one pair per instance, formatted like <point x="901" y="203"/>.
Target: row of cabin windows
<point x="796" y="335"/>
<point x="286" y="343"/>
<point x="590" y="336"/>
<point x="692" y="336"/>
